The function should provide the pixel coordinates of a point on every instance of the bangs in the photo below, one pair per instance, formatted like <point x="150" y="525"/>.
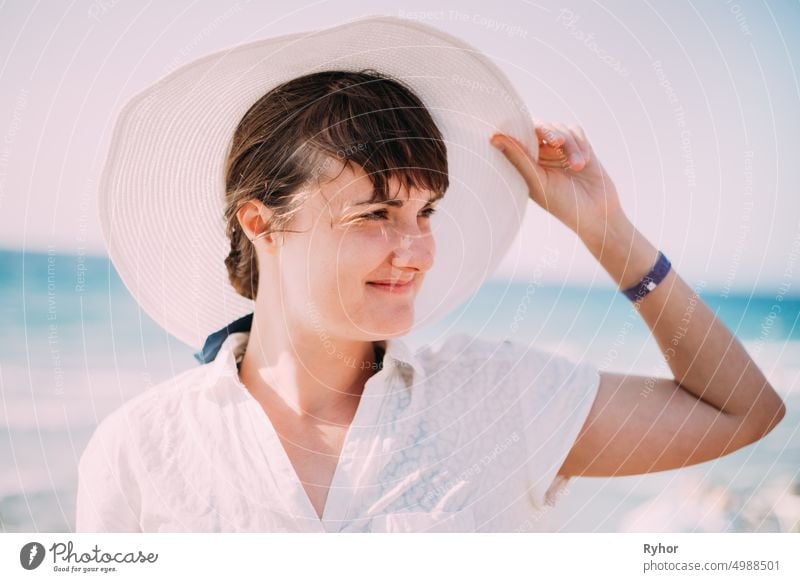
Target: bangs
<point x="382" y="126"/>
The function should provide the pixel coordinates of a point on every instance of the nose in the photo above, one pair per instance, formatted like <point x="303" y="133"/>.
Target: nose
<point x="414" y="250"/>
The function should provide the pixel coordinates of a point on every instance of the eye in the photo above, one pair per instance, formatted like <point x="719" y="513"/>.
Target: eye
<point x="377" y="215"/>
<point x="382" y="214"/>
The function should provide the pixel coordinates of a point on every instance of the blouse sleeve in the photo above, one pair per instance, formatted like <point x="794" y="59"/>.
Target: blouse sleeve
<point x="555" y="397"/>
<point x="108" y="498"/>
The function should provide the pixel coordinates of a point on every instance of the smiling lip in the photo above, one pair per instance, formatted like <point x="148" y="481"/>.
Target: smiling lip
<point x="392" y="288"/>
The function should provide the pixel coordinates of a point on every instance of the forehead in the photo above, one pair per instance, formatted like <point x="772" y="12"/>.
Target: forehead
<point x="347" y="186"/>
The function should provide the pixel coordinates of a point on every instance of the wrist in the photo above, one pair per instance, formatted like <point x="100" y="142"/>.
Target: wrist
<point x="615" y="231"/>
<point x="623" y="251"/>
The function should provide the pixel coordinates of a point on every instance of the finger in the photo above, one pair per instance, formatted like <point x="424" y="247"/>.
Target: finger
<point x="571" y="148"/>
<point x="546" y="133"/>
<point x="551" y="153"/>
<point x="519" y="157"/>
<point x="557" y="141"/>
<point x="580" y="138"/>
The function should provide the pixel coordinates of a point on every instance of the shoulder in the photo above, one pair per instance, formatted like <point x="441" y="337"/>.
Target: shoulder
<point x="473" y="365"/>
<point x="168" y="397"/>
<point x="510" y="363"/>
<point x="151" y="412"/>
<point x="462" y="348"/>
<point x="472" y="353"/>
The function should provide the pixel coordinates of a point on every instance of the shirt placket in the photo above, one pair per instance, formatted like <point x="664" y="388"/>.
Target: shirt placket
<point x="360" y="458"/>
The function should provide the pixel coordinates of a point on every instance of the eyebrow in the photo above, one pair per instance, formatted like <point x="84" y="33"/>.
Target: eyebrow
<point x="396" y="202"/>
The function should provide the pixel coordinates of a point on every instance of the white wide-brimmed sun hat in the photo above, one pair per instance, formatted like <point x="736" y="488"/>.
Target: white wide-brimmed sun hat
<point x="161" y="195"/>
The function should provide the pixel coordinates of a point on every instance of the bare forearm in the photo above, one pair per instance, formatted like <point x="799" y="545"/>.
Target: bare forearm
<point x="705" y="358"/>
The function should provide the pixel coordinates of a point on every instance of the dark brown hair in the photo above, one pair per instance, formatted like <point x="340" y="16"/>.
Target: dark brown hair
<point x="283" y="140"/>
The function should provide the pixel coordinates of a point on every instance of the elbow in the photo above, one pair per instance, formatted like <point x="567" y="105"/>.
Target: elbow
<point x="778" y="416"/>
<point x="770" y="414"/>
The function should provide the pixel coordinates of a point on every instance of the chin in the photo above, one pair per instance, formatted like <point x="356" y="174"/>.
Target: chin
<point x="391" y="329"/>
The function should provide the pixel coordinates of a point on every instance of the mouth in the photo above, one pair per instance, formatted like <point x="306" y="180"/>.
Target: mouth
<point x="398" y="287"/>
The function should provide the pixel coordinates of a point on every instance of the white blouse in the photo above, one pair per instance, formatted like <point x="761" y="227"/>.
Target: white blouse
<point x="468" y="437"/>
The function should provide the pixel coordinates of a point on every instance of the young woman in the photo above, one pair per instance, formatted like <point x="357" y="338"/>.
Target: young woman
<point x="312" y="414"/>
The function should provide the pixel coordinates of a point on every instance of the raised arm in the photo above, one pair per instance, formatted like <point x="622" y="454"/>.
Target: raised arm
<point x="718" y="401"/>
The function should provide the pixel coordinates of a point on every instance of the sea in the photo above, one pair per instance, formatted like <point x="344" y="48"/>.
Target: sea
<point x="75" y="346"/>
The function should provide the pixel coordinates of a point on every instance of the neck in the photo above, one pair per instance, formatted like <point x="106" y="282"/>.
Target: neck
<point x="316" y="379"/>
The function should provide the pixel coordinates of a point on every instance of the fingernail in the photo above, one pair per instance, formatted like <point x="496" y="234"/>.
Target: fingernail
<point x="497" y="142"/>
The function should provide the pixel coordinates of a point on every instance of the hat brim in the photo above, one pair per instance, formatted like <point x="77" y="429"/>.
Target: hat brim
<point x="161" y="194"/>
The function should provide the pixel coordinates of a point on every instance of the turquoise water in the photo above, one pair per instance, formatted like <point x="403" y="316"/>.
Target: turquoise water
<point x="75" y="346"/>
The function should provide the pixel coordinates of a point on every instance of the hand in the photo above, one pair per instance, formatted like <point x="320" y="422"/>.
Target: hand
<point x="568" y="180"/>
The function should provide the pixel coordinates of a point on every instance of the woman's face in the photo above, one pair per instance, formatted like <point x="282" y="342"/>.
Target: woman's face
<point x="329" y="273"/>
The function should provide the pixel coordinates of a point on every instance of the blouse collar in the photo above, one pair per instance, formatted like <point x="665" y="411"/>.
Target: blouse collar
<point x="225" y="349"/>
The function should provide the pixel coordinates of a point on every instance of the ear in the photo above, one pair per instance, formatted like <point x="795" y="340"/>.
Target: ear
<point x="254" y="216"/>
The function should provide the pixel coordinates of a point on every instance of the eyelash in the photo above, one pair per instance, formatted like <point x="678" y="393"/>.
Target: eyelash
<point x="381" y="214"/>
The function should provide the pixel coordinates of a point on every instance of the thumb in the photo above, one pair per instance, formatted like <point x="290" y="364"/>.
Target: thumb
<point x="518" y="155"/>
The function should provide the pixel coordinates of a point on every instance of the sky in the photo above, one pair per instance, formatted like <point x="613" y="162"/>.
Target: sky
<point x="690" y="106"/>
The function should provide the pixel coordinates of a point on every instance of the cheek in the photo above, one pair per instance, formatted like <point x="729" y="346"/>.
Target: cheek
<point x="358" y="255"/>
<point x="341" y="263"/>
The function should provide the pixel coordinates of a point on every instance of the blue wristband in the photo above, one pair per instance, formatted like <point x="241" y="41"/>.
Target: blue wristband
<point x="651" y="280"/>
